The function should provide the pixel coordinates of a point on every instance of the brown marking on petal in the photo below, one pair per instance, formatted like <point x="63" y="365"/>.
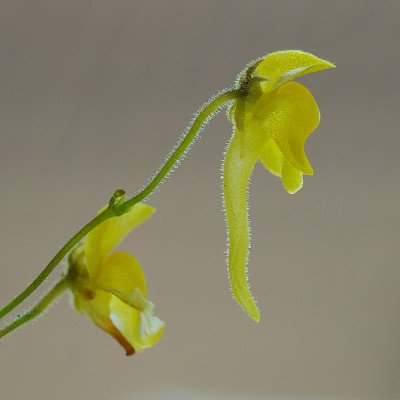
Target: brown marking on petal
<point x="88" y="294"/>
<point x="116" y="334"/>
<point x="107" y="325"/>
<point x="110" y="328"/>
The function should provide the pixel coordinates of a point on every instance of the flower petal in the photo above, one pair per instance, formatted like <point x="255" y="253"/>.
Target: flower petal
<point x="273" y="159"/>
<point x="238" y="165"/>
<point x="141" y="329"/>
<point x="133" y="315"/>
<point x="122" y="274"/>
<point x="289" y="118"/>
<point x="283" y="66"/>
<point x="97" y="308"/>
<point x="292" y="178"/>
<point x="105" y="237"/>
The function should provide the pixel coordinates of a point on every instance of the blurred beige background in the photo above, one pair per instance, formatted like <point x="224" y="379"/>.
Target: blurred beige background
<point x="94" y="95"/>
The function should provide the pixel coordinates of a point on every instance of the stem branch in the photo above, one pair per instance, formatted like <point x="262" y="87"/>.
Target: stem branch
<point x="59" y="287"/>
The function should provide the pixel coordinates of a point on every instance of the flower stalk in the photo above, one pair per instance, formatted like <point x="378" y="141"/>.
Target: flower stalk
<point x="118" y="208"/>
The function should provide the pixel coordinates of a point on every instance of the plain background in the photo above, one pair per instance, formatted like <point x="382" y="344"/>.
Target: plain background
<point x="93" y="94"/>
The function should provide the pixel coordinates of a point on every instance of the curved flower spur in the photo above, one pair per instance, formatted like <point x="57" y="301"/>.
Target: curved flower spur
<point x="272" y="120"/>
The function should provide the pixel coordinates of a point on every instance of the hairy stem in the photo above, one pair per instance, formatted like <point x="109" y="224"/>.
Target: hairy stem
<point x="125" y="207"/>
<point x="56" y="260"/>
<point x="200" y="120"/>
<point x="56" y="291"/>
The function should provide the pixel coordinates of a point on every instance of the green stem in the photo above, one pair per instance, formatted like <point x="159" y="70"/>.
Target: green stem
<point x="59" y="288"/>
<point x="198" y="123"/>
<point x="125" y="207"/>
<point x="56" y="260"/>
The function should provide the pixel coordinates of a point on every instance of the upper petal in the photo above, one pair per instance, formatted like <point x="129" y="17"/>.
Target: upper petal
<point x="289" y="117"/>
<point x="283" y="66"/>
<point x="106" y="236"/>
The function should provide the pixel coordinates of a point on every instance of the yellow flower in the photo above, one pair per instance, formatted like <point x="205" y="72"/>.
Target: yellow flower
<point x="111" y="288"/>
<point x="272" y="119"/>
